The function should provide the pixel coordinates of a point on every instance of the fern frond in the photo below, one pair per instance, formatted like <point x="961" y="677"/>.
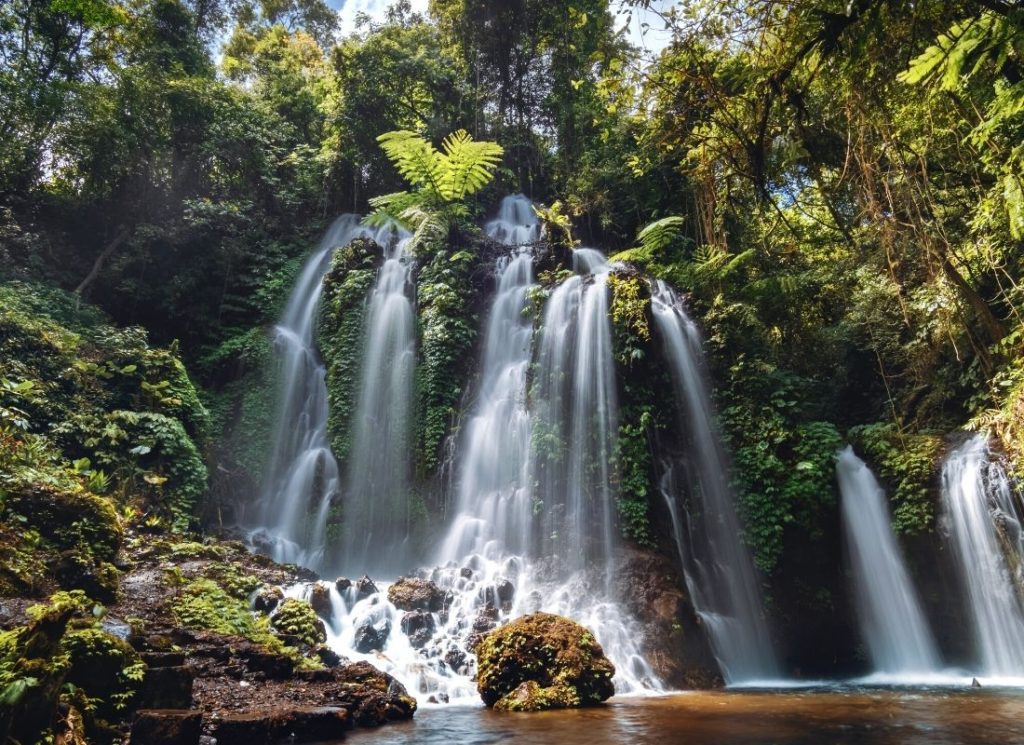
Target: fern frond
<point x="428" y="227"/>
<point x="467" y="165"/>
<point x="388" y="208"/>
<point x="660" y="234"/>
<point x="417" y="160"/>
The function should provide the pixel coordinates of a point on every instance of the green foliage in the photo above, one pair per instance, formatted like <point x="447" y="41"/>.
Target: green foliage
<point x="442" y="180"/>
<point x="908" y="463"/>
<point x="346" y="288"/>
<point x="633" y="456"/>
<point x="629" y="306"/>
<point x="784" y="465"/>
<point x="296" y="621"/>
<point x="447" y="332"/>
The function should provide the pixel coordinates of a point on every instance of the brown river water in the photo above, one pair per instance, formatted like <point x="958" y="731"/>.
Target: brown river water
<point x="819" y="717"/>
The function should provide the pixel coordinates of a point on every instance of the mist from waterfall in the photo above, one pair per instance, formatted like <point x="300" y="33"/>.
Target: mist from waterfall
<point x="892" y="621"/>
<point x="719" y="571"/>
<point x="983" y="517"/>
<point x="302" y="478"/>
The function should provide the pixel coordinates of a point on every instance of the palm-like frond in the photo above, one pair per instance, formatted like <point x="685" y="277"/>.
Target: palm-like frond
<point x="417" y="160"/>
<point x="653" y="239"/>
<point x="660" y="234"/>
<point x="467" y="165"/>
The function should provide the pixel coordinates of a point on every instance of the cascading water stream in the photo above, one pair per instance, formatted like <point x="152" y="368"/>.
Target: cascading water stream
<point x="516" y="224"/>
<point x="718" y="568"/>
<point x="499" y="560"/>
<point x="376" y="515"/>
<point x="494" y="501"/>
<point x="984" y="520"/>
<point x="302" y="477"/>
<point x="577" y="422"/>
<point x="892" y="622"/>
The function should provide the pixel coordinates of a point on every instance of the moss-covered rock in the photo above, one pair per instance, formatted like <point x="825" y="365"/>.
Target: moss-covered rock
<point x="413" y="593"/>
<point x="69" y="519"/>
<point x="542" y="661"/>
<point x="295" y="622"/>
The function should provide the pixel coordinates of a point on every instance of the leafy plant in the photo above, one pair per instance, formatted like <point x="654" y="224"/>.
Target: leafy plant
<point x="442" y="180"/>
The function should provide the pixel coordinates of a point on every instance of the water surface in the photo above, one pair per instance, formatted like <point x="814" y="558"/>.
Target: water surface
<point x="853" y="717"/>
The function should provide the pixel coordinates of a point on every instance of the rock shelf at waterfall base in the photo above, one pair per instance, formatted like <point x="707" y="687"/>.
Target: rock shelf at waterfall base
<point x="185" y="608"/>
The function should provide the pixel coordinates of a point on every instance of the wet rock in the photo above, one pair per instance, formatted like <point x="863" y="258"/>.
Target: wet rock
<point x="342" y="584"/>
<point x="296" y="623"/>
<point x="301" y="724"/>
<point x="365" y="587"/>
<point x="456" y="658"/>
<point x="500" y="594"/>
<point x="168" y="687"/>
<point x="506" y="592"/>
<point x="328" y="656"/>
<point x="559" y="660"/>
<point x="413" y="593"/>
<point x="466" y="573"/>
<point x="372" y="636"/>
<point x="372" y="697"/>
<point x="268" y="598"/>
<point x="674" y="643"/>
<point x="269" y="664"/>
<point x="320" y="599"/>
<point x="166" y="727"/>
<point x="419" y="626"/>
<point x="438" y="698"/>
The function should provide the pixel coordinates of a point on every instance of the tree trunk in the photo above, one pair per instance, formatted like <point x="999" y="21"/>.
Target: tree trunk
<point x="121" y="237"/>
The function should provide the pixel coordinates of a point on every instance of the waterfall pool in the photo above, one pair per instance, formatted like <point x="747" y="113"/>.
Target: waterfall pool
<point x="817" y="716"/>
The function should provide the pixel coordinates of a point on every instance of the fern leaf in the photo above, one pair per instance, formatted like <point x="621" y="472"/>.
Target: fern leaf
<point x="660" y="234"/>
<point x="468" y="165"/>
<point x="416" y="159"/>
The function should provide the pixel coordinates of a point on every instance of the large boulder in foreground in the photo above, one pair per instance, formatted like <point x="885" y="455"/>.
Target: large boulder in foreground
<point x="542" y="661"/>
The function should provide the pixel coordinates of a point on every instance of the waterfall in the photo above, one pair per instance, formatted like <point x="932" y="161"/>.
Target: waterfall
<point x="302" y="477"/>
<point x="525" y="536"/>
<point x="376" y="514"/>
<point x="516" y="223"/>
<point x="891" y="619"/>
<point x="984" y="520"/>
<point x="717" y="565"/>
<point x="494" y="499"/>
<point x="577" y="422"/>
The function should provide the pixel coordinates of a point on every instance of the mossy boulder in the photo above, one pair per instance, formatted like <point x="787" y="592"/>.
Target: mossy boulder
<point x="295" y="622"/>
<point x="412" y="593"/>
<point x="542" y="661"/>
<point x="72" y="520"/>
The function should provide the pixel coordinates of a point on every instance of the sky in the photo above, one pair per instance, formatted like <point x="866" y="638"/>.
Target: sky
<point x="652" y="41"/>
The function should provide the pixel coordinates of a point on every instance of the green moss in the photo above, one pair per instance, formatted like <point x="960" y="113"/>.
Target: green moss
<point x="448" y="332"/>
<point x="105" y="667"/>
<point x="295" y="621"/>
<point x="62" y="657"/>
<point x="346" y="288"/>
<point x="204" y="604"/>
<point x="74" y="520"/>
<point x="542" y="661"/>
<point x="906" y="462"/>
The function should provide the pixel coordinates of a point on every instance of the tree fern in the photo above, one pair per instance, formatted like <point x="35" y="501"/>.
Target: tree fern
<point x="653" y="240"/>
<point x="441" y="180"/>
<point x="467" y="165"/>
